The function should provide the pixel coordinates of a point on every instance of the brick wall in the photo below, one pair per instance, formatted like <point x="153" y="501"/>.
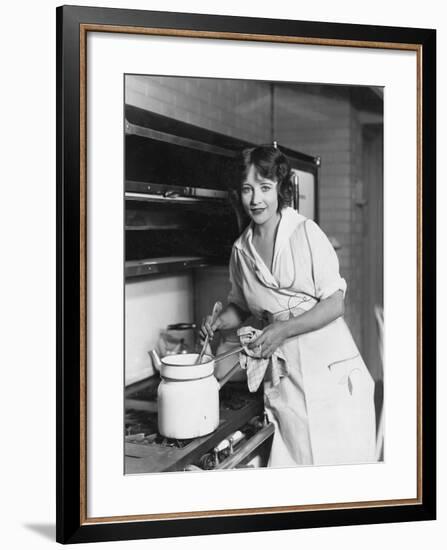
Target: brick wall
<point x="232" y="107"/>
<point x="356" y="227"/>
<point x="327" y="126"/>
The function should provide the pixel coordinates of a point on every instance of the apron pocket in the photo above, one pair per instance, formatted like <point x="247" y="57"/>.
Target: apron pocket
<point x="343" y="372"/>
<point x="352" y="374"/>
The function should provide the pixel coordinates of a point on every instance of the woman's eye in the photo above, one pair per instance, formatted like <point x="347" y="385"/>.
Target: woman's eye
<point x="246" y="190"/>
<point x="265" y="188"/>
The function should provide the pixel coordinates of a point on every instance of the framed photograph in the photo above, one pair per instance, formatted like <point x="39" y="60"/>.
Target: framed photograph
<point x="246" y="304"/>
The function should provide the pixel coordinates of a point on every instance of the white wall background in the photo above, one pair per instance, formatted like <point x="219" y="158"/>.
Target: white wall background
<point x="27" y="217"/>
<point x="151" y="304"/>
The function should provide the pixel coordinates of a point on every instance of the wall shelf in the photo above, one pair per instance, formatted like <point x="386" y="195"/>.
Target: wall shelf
<point x="148" y="197"/>
<point x="170" y="264"/>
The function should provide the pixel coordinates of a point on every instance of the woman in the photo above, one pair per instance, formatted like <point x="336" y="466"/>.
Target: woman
<point x="284" y="268"/>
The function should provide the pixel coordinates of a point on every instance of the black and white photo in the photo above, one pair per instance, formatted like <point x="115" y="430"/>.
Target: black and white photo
<point x="253" y="274"/>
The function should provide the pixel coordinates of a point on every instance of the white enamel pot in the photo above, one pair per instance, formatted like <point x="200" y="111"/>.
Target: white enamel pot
<point x="188" y="396"/>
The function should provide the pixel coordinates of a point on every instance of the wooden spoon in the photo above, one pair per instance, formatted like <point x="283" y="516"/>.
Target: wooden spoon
<point x="216" y="310"/>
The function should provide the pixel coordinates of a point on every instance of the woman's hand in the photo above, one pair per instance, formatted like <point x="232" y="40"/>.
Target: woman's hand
<point x="270" y="339"/>
<point x="209" y="327"/>
<point x="231" y="317"/>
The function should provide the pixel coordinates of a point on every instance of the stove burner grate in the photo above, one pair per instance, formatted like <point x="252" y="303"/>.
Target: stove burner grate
<point x="168" y="442"/>
<point x="141" y="428"/>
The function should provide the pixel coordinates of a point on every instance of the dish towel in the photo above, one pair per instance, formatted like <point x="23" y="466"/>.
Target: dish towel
<point x="255" y="365"/>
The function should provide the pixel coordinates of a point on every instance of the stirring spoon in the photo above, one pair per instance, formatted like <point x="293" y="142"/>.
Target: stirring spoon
<point x="216" y="310"/>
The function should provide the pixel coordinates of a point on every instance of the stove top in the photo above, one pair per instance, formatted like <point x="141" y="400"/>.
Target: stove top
<point x="148" y="451"/>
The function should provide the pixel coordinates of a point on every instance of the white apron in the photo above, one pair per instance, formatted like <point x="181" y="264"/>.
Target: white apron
<point x="323" y="410"/>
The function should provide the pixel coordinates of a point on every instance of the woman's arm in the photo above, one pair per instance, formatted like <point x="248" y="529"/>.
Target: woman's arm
<point x="323" y="313"/>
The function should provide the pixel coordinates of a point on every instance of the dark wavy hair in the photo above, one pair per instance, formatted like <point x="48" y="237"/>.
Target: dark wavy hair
<point x="272" y="164"/>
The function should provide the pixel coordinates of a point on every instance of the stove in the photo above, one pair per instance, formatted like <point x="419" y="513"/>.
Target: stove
<point x="243" y="432"/>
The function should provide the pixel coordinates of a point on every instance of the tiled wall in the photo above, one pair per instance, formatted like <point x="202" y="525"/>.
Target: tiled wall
<point x="307" y="120"/>
<point x="233" y="107"/>
<point x="357" y="225"/>
<point x="332" y="132"/>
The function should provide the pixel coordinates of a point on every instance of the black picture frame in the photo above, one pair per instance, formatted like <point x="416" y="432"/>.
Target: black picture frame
<point x="72" y="524"/>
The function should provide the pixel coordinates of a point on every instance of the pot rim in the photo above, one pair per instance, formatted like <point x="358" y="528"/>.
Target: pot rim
<point x="181" y="367"/>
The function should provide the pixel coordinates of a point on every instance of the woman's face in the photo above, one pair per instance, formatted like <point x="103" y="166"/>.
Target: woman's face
<point x="259" y="197"/>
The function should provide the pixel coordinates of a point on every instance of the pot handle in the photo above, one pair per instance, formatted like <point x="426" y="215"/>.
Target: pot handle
<point x="229" y="374"/>
<point x="227" y="354"/>
<point x="181" y="326"/>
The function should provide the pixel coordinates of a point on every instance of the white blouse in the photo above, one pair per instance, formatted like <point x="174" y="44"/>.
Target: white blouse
<point x="304" y="261"/>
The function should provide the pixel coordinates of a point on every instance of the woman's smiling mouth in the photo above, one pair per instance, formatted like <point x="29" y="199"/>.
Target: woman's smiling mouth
<point x="257" y="211"/>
